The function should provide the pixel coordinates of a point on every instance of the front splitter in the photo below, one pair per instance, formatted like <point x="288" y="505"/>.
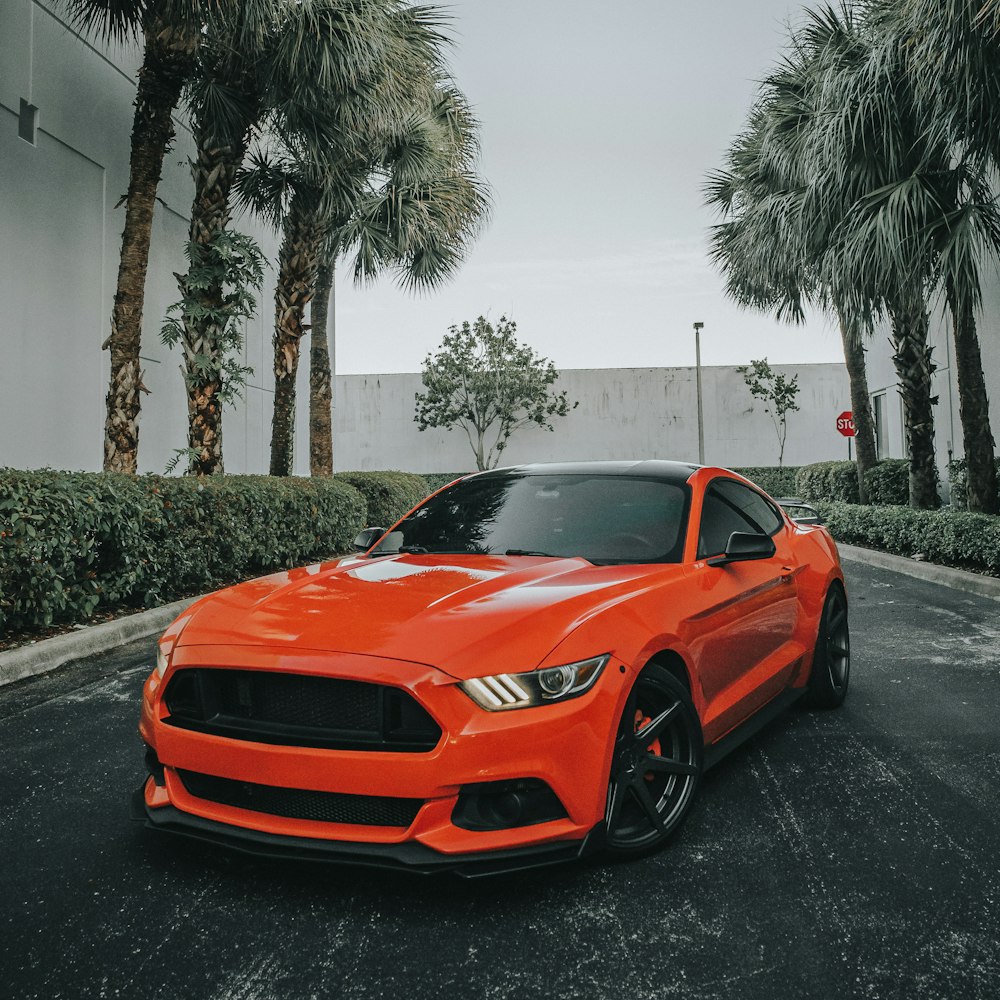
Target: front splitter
<point x="409" y="856"/>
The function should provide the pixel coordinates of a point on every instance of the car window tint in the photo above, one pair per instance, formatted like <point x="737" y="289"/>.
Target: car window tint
<point x="730" y="506"/>
<point x="604" y="519"/>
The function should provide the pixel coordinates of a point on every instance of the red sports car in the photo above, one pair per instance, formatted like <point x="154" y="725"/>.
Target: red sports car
<point x="533" y="664"/>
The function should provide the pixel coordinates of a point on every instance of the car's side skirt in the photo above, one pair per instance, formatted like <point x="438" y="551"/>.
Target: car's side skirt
<point x="714" y="752"/>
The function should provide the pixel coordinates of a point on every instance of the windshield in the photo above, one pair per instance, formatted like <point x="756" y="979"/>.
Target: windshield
<point x="603" y="519"/>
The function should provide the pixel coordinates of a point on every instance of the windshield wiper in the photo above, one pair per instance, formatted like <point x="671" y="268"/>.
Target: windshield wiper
<point x="529" y="552"/>
<point x="413" y="549"/>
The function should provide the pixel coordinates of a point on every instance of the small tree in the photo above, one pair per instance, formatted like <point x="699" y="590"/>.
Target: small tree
<point x="486" y="382"/>
<point x="777" y="391"/>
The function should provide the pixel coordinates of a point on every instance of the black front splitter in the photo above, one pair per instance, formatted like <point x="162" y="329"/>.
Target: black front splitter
<point x="409" y="856"/>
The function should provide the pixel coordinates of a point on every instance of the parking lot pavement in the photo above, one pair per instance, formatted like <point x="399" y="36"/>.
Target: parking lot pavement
<point x="843" y="854"/>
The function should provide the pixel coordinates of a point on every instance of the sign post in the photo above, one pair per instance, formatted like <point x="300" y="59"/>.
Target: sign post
<point x="845" y="426"/>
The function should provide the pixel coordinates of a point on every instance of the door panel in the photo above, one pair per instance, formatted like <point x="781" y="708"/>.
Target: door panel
<point x="742" y="638"/>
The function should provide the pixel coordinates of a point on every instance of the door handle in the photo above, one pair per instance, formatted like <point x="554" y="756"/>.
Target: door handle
<point x="787" y="574"/>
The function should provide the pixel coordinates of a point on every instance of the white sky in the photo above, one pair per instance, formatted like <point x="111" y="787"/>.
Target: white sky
<point x="600" y="122"/>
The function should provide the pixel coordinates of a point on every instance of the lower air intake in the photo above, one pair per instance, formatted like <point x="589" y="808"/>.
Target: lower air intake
<point x="301" y="803"/>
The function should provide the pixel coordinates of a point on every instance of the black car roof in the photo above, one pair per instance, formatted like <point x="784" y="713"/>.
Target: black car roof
<point x="670" y="472"/>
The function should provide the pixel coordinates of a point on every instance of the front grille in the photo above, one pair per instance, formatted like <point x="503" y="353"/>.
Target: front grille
<point x="300" y="803"/>
<point x="299" y="710"/>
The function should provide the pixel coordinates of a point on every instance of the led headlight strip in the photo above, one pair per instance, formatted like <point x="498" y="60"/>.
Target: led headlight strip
<point x="500" y="692"/>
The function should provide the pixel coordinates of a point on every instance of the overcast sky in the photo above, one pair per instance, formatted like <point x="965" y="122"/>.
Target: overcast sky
<point x="599" y="123"/>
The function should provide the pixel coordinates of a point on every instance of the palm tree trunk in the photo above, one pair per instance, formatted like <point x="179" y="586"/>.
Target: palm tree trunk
<point x="914" y="369"/>
<point x="297" y="263"/>
<point x="214" y="173"/>
<point x="861" y="407"/>
<point x="168" y="61"/>
<point x="974" y="407"/>
<point x="321" y="377"/>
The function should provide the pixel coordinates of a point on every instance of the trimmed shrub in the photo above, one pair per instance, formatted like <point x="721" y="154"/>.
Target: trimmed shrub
<point x="836" y="481"/>
<point x="958" y="481"/>
<point x="888" y="482"/>
<point x="435" y="480"/>
<point x="389" y="495"/>
<point x="953" y="538"/>
<point x="779" y="482"/>
<point x="72" y="542"/>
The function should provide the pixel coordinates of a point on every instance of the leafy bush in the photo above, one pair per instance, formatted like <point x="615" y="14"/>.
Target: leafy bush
<point x="958" y="479"/>
<point x="888" y="482"/>
<point x="954" y="538"/>
<point x="435" y="480"/>
<point x="389" y="495"/>
<point x="71" y="542"/>
<point x="837" y="481"/>
<point x="778" y="481"/>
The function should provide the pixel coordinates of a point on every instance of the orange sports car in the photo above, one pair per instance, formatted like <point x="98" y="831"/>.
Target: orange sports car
<point x="535" y="663"/>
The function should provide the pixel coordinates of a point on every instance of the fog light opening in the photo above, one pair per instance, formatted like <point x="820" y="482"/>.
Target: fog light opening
<point x="154" y="767"/>
<point x="502" y="805"/>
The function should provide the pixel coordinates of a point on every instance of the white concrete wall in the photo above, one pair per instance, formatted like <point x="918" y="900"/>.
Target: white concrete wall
<point x="60" y="236"/>
<point x="624" y="413"/>
<point x="882" y="379"/>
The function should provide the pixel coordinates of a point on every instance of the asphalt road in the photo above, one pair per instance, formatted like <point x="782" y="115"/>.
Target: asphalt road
<point x="853" y="853"/>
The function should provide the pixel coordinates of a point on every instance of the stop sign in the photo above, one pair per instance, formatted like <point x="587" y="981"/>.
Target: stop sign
<point x="845" y="424"/>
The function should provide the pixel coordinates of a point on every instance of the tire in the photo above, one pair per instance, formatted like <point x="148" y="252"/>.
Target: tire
<point x="656" y="766"/>
<point x="831" y="666"/>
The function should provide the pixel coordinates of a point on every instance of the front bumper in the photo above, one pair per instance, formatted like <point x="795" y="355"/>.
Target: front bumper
<point x="405" y="856"/>
<point x="566" y="745"/>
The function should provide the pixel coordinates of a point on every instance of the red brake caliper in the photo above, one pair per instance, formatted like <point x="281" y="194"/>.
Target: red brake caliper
<point x="654" y="747"/>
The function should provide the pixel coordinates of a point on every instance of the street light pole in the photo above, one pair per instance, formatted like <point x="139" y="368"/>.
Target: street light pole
<point x="697" y="368"/>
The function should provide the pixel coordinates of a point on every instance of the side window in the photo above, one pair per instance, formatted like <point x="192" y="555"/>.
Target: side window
<point x="730" y="506"/>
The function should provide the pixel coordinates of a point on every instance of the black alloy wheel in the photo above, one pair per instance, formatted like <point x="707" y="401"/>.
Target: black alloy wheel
<point x="656" y="765"/>
<point x="831" y="668"/>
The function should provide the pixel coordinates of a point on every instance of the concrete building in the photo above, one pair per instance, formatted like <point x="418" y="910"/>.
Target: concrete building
<point x="887" y="405"/>
<point x="65" y="122"/>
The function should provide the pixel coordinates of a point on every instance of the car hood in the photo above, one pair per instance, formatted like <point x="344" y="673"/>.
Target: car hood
<point x="466" y="615"/>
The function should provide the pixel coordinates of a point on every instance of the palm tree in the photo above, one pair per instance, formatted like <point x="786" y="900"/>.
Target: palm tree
<point x="405" y="196"/>
<point x="417" y="226"/>
<point x="275" y="64"/>
<point x="769" y="247"/>
<point x="950" y="49"/>
<point x="170" y="31"/>
<point x="862" y="136"/>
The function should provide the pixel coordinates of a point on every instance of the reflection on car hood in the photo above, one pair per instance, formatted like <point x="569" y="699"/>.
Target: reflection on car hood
<point x="466" y="615"/>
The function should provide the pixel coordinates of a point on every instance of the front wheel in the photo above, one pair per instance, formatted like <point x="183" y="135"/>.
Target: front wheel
<point x="656" y="766"/>
<point x="831" y="667"/>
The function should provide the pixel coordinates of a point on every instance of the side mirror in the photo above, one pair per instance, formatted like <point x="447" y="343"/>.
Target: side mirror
<point x="744" y="546"/>
<point x="367" y="537"/>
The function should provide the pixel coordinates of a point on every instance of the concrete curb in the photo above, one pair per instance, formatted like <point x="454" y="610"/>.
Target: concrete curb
<point x="957" y="579"/>
<point x="47" y="654"/>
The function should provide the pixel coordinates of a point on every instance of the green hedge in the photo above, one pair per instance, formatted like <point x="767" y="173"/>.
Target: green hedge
<point x="435" y="480"/>
<point x="779" y="482"/>
<point x="72" y="542"/>
<point x="836" y="481"/>
<point x="953" y="538"/>
<point x="888" y="482"/>
<point x="389" y="495"/>
<point x="958" y="479"/>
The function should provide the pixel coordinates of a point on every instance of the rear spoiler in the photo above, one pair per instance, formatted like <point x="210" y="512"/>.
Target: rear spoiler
<point x="799" y="510"/>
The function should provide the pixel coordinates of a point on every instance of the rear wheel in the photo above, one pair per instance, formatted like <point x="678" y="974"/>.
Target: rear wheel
<point x="656" y="766"/>
<point x="831" y="667"/>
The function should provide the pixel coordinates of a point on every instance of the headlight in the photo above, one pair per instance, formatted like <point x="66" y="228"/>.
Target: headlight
<point x="499" y="692"/>
<point x="165" y="647"/>
<point x="162" y="661"/>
